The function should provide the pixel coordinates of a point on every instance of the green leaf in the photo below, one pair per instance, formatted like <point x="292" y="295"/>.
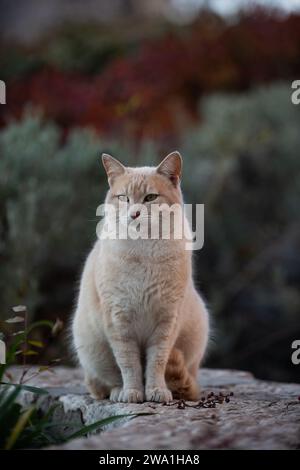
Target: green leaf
<point x="37" y="344"/>
<point x="98" y="424"/>
<point x="8" y="402"/>
<point x="30" y="353"/>
<point x="43" y="368"/>
<point x="29" y="388"/>
<point x="17" y="430"/>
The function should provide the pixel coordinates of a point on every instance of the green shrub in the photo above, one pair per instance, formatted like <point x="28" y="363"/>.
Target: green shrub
<point x="243" y="163"/>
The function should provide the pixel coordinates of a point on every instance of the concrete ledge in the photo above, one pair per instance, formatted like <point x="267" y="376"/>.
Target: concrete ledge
<point x="260" y="415"/>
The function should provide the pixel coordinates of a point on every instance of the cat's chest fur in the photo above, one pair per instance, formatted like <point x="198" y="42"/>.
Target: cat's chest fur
<point x="140" y="285"/>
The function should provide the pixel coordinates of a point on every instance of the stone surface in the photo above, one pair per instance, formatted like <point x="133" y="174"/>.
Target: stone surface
<point x="260" y="415"/>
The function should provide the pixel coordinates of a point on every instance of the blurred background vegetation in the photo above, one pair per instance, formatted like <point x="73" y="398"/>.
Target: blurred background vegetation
<point x="138" y="82"/>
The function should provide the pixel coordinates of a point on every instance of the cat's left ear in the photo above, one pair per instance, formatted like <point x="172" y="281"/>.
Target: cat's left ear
<point x="112" y="167"/>
<point x="171" y="167"/>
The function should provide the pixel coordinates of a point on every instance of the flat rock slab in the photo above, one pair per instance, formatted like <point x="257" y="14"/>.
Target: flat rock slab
<point x="260" y="415"/>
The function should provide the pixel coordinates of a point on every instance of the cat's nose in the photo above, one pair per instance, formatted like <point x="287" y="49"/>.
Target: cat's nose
<point x="135" y="215"/>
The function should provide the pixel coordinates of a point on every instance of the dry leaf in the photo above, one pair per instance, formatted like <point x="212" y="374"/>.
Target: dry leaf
<point x="19" y="308"/>
<point x="57" y="327"/>
<point x="15" y="320"/>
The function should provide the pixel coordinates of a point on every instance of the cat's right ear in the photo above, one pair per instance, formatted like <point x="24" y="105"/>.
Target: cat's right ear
<point x="112" y="167"/>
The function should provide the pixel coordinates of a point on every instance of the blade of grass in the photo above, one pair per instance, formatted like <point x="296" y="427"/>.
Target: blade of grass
<point x="91" y="427"/>
<point x="103" y="422"/>
<point x="17" y="430"/>
<point x="5" y="406"/>
<point x="29" y="388"/>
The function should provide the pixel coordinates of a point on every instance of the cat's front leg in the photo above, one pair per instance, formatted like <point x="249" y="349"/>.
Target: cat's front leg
<point x="158" y="351"/>
<point x="128" y="357"/>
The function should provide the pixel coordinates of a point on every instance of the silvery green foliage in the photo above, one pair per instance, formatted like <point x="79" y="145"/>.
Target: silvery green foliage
<point x="49" y="191"/>
<point x="243" y="163"/>
<point x="262" y="123"/>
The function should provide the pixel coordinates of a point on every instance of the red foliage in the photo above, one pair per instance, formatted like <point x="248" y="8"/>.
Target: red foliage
<point x="156" y="92"/>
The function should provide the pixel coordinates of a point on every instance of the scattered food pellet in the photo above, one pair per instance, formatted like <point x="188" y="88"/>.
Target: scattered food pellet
<point x="211" y="400"/>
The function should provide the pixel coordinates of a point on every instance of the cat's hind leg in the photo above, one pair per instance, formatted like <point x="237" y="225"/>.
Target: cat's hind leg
<point x="180" y="380"/>
<point x="97" y="389"/>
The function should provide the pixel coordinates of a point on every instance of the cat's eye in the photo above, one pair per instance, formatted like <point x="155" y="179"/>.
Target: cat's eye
<point x="123" y="198"/>
<point x="150" y="197"/>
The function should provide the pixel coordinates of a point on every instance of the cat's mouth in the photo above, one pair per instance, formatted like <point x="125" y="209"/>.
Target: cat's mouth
<point x="138" y="221"/>
<point x="145" y="224"/>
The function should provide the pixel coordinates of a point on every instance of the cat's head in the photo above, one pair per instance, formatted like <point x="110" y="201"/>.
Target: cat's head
<point x="143" y="185"/>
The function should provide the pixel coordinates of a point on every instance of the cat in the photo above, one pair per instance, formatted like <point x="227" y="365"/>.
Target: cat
<point x="140" y="329"/>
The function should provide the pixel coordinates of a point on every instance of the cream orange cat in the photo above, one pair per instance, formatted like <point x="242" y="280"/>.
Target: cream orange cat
<point x="140" y="329"/>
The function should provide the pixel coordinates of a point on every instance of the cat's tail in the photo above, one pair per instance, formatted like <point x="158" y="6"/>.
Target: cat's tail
<point x="179" y="380"/>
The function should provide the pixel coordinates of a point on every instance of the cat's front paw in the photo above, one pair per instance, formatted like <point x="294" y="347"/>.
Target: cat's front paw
<point x="160" y="395"/>
<point x="127" y="395"/>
